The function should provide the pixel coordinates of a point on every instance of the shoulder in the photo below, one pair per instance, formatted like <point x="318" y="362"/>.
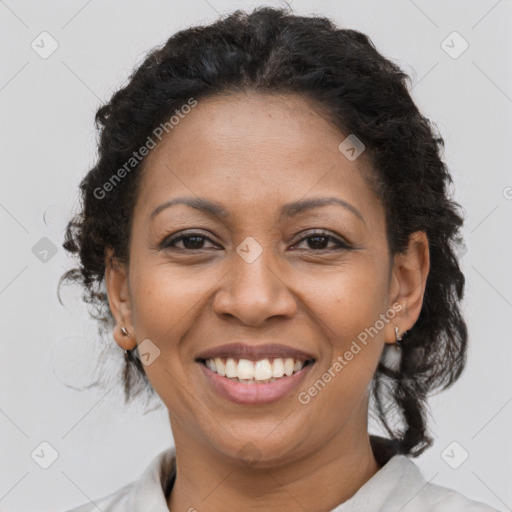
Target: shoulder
<point x="146" y="493"/>
<point x="400" y="485"/>
<point x="414" y="494"/>
<point x="114" y="502"/>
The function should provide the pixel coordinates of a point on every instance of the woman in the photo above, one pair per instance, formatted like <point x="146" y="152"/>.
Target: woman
<point x="269" y="235"/>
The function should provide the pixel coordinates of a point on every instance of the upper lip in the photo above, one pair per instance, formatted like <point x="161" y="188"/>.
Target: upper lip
<point x="254" y="352"/>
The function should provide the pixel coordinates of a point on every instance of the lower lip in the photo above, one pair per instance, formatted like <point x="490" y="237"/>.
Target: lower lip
<point x="254" y="394"/>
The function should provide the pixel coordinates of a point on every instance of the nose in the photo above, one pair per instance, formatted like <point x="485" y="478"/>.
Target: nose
<point x="254" y="292"/>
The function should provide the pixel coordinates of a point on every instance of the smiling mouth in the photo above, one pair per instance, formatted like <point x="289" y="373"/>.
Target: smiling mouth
<point x="249" y="372"/>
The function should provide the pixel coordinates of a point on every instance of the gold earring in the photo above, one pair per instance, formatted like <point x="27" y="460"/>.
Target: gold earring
<point x="124" y="331"/>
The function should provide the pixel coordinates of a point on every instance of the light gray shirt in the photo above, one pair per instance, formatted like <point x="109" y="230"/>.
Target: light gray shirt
<point x="397" y="486"/>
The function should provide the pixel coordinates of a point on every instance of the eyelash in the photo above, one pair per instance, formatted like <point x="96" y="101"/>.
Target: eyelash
<point x="341" y="244"/>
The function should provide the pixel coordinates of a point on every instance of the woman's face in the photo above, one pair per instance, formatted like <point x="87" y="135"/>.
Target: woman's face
<point x="251" y="276"/>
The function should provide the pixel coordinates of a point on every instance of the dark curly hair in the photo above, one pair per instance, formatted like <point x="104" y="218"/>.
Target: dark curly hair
<point x="362" y="93"/>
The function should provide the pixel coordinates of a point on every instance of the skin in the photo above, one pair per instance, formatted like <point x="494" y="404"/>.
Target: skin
<point x="253" y="153"/>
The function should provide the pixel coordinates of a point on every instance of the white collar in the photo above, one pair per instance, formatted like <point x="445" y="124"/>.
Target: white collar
<point x="398" y="485"/>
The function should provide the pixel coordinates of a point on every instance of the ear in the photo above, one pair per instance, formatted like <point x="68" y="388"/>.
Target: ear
<point x="116" y="282"/>
<point x="407" y="284"/>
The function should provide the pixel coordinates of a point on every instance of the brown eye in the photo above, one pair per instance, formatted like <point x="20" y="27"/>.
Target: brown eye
<point x="191" y="241"/>
<point x="319" y="240"/>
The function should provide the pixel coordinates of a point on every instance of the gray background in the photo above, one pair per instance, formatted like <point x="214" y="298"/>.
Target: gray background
<point x="48" y="143"/>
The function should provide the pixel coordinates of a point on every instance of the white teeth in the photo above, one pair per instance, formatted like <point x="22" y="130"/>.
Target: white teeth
<point x="245" y="369"/>
<point x="250" y="372"/>
<point x="221" y="367"/>
<point x="263" y="370"/>
<point x="231" y="368"/>
<point x="277" y="368"/>
<point x="288" y="366"/>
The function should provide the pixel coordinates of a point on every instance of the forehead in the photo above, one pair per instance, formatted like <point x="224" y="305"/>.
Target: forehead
<point x="255" y="147"/>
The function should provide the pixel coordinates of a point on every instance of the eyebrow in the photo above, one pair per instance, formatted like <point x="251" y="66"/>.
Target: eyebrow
<point x="287" y="210"/>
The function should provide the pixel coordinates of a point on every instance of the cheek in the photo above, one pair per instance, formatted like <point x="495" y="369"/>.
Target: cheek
<point x="350" y="304"/>
<point x="347" y="307"/>
<point x="346" y="301"/>
<point x="164" y="303"/>
<point x="165" y="306"/>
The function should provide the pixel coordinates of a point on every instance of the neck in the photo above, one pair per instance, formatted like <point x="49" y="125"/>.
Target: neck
<point x="207" y="480"/>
